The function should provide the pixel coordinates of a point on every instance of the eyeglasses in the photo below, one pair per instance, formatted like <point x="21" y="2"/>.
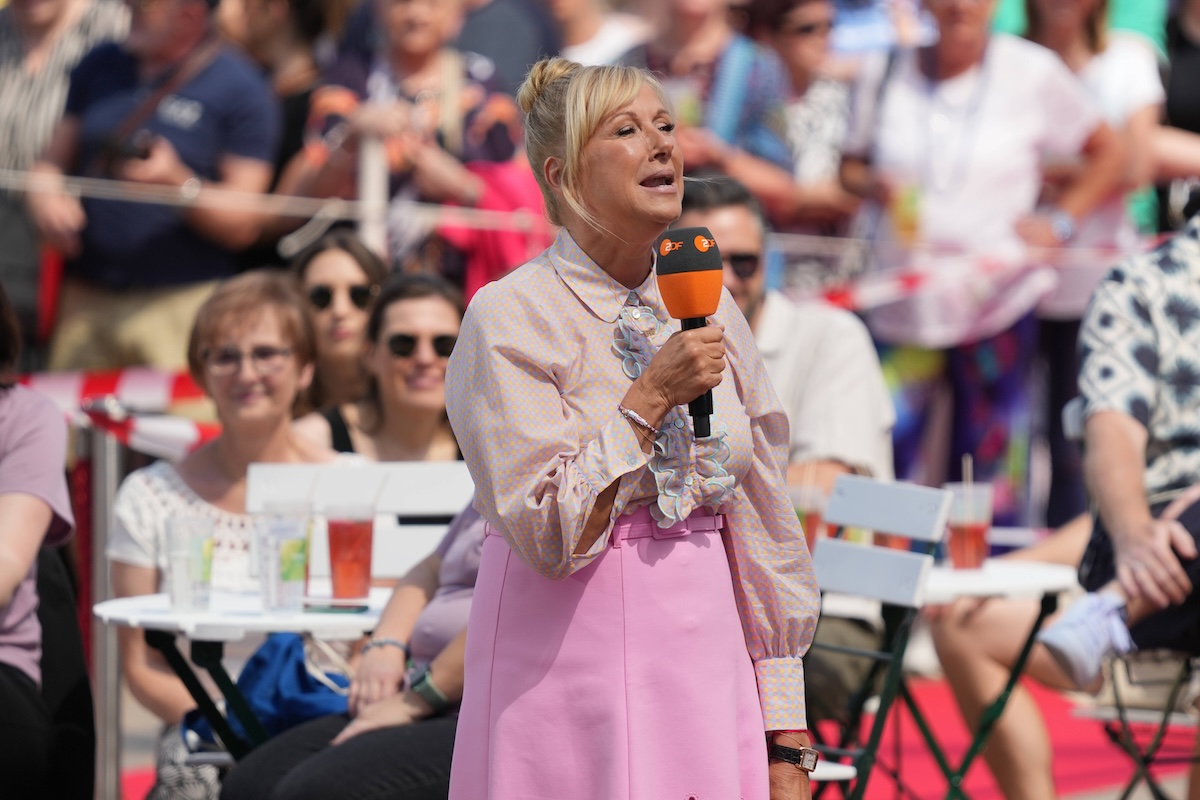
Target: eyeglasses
<point x="822" y="28"/>
<point x="321" y="295"/>
<point x="226" y="361"/>
<point x="744" y="265"/>
<point x="403" y="345"/>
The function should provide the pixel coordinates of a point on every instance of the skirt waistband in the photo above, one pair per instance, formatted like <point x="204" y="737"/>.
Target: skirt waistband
<point x="640" y="524"/>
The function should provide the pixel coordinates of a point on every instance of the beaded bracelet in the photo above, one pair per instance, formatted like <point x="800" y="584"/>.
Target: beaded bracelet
<point x="637" y="419"/>
<point x="385" y="642"/>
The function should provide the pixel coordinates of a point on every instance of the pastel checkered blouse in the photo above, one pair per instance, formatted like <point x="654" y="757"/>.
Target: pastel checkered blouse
<point x="544" y="357"/>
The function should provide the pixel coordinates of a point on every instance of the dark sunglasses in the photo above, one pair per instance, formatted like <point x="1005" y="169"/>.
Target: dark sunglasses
<point x="321" y="295"/>
<point x="403" y="345"/>
<point x="809" y="29"/>
<point x="744" y="265"/>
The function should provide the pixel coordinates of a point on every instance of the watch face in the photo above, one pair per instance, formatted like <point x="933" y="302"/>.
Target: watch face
<point x="808" y="761"/>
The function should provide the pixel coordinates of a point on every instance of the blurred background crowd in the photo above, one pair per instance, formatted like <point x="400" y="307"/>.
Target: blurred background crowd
<point x="1003" y="152"/>
<point x="309" y="192"/>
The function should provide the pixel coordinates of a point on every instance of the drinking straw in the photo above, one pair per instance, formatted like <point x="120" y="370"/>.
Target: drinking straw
<point x="968" y="479"/>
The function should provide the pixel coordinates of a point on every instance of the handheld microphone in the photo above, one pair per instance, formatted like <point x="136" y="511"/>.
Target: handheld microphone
<point x="690" y="273"/>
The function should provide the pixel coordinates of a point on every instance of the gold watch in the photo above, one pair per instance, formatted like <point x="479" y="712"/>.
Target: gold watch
<point x="803" y="758"/>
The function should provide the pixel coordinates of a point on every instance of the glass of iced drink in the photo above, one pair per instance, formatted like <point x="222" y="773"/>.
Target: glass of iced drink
<point x="970" y="519"/>
<point x="350" y="530"/>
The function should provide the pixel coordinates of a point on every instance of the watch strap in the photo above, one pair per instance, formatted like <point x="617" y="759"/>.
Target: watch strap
<point x="424" y="688"/>
<point x="803" y="758"/>
<point x="1062" y="225"/>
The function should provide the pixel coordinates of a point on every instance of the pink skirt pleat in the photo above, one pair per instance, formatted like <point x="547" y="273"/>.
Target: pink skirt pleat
<point x="629" y="680"/>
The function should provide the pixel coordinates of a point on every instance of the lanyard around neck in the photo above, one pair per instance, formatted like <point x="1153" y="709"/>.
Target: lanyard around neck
<point x="939" y="123"/>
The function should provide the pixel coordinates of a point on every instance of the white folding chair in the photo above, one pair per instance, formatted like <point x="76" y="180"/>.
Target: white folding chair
<point x="893" y="577"/>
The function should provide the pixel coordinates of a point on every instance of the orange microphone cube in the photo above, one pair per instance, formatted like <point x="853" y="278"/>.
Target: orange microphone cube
<point x="689" y="272"/>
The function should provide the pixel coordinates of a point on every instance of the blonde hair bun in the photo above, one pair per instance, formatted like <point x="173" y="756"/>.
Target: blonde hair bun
<point x="541" y="75"/>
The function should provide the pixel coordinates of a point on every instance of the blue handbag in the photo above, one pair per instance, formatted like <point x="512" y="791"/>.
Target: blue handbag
<point x="283" y="686"/>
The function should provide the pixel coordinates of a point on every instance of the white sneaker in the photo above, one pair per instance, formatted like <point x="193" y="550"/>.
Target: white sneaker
<point x="1091" y="630"/>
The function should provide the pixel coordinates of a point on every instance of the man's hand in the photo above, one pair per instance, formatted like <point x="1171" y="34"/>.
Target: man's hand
<point x="60" y="220"/>
<point x="162" y="165"/>
<point x="1147" y="560"/>
<point x="399" y="709"/>
<point x="701" y="147"/>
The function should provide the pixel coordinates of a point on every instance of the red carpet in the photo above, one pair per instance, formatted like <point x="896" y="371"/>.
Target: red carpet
<point x="135" y="783"/>
<point x="1084" y="759"/>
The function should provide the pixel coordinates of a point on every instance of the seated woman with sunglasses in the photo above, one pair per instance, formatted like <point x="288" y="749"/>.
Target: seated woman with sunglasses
<point x="252" y="350"/>
<point x="341" y="277"/>
<point x="410" y="334"/>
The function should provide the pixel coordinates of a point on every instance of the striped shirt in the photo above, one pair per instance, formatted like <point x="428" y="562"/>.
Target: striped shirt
<point x="31" y="103"/>
<point x="543" y="360"/>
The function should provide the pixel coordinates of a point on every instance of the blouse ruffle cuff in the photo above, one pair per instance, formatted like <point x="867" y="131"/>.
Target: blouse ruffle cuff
<point x="781" y="692"/>
<point x="616" y="451"/>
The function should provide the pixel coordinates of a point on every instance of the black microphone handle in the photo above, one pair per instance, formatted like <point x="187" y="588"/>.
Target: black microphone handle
<point x="702" y="407"/>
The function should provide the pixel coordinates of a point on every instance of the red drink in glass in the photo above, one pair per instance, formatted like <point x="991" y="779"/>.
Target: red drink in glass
<point x="812" y="521"/>
<point x="893" y="541"/>
<point x="350" y="557"/>
<point x="968" y="544"/>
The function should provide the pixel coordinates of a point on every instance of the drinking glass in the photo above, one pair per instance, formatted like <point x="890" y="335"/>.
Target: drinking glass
<point x="283" y="543"/>
<point x="809" y="502"/>
<point x="189" y="562"/>
<point x="350" y="530"/>
<point x="970" y="519"/>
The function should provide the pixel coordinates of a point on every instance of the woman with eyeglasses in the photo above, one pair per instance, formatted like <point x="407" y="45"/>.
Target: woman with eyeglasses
<point x="398" y="735"/>
<point x="341" y="277"/>
<point x="252" y="348"/>
<point x="410" y="335"/>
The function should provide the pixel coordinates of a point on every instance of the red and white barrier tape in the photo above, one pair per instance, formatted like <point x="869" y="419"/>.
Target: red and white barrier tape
<point x="135" y="388"/>
<point x="161" y="436"/>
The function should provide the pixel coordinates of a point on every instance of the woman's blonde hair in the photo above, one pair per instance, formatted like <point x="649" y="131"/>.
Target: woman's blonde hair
<point x="564" y="105"/>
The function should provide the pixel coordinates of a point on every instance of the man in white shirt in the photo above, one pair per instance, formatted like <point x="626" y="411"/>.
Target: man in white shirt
<point x="825" y="371"/>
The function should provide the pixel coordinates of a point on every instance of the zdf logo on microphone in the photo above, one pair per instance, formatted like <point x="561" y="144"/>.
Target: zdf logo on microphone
<point x="703" y="244"/>
<point x="669" y="246"/>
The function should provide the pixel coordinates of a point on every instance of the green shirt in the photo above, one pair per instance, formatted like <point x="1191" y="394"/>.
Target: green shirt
<point x="1147" y="17"/>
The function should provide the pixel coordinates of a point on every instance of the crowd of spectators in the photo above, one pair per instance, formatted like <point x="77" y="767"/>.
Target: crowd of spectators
<point x="1011" y="151"/>
<point x="930" y="147"/>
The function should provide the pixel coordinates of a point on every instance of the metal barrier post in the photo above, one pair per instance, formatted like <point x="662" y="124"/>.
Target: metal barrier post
<point x="107" y="463"/>
<point x="373" y="194"/>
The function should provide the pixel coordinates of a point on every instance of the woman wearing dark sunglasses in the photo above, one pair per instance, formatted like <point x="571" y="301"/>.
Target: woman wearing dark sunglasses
<point x="409" y="336"/>
<point x="340" y="277"/>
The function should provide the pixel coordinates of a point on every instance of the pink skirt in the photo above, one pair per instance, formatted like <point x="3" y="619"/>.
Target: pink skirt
<point x="629" y="680"/>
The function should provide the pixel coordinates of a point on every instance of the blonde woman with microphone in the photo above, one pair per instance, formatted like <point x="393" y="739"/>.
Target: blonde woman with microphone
<point x="621" y="545"/>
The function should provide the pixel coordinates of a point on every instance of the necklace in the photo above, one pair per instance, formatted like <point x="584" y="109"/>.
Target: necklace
<point x="941" y="118"/>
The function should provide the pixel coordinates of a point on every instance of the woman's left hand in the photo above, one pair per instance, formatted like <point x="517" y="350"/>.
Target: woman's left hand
<point x="1037" y="230"/>
<point x="399" y="709"/>
<point x="440" y="177"/>
<point x="788" y="783"/>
